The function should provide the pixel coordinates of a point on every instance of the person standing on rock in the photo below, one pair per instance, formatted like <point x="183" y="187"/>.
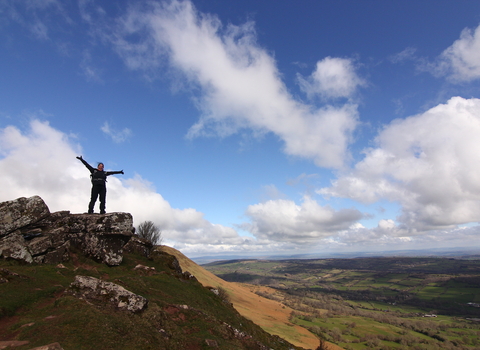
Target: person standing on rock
<point x="99" y="184"/>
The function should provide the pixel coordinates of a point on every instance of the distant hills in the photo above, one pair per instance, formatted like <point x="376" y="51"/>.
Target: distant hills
<point x="457" y="252"/>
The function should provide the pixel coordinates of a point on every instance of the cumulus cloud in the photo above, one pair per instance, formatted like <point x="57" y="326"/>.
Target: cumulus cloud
<point x="282" y="220"/>
<point x="240" y="86"/>
<point x="41" y="161"/>
<point x="428" y="163"/>
<point x="461" y="60"/>
<point x="118" y="136"/>
<point x="333" y="78"/>
<point x="27" y="158"/>
<point x="387" y="236"/>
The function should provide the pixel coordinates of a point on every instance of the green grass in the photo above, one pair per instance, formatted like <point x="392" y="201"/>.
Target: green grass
<point x="36" y="306"/>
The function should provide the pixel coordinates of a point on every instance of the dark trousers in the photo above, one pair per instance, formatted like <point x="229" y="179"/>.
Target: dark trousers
<point x="98" y="191"/>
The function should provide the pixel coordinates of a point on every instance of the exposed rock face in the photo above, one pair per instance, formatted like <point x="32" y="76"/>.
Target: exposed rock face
<point x="138" y="245"/>
<point x="21" y="212"/>
<point x="29" y="232"/>
<point x="13" y="246"/>
<point x="171" y="261"/>
<point x="91" y="288"/>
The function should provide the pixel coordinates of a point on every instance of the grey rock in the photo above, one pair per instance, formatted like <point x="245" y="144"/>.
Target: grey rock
<point x="13" y="246"/>
<point x="29" y="232"/>
<point x="59" y="254"/>
<point x="171" y="261"/>
<point x="188" y="276"/>
<point x="138" y="245"/>
<point x="39" y="245"/>
<point x="91" y="288"/>
<point x="21" y="212"/>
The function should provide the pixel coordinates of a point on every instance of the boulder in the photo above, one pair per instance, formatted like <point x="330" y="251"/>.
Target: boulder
<point x="14" y="246"/>
<point x="138" y="245"/>
<point x="21" y="212"/>
<point x="171" y="261"/>
<point x="91" y="288"/>
<point x="30" y="233"/>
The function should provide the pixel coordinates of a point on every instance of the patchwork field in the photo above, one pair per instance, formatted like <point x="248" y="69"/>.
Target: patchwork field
<point x="373" y="303"/>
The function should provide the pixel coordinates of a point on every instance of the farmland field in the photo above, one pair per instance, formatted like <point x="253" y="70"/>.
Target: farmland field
<point x="374" y="303"/>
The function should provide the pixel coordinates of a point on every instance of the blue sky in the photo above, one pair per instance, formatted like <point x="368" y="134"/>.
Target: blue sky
<point x="251" y="127"/>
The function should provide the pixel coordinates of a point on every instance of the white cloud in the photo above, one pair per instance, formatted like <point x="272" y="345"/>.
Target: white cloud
<point x="284" y="221"/>
<point x="333" y="78"/>
<point x="461" y="60"/>
<point x="118" y="136"/>
<point x="41" y="161"/>
<point x="387" y="236"/>
<point x="429" y="163"/>
<point x="240" y="86"/>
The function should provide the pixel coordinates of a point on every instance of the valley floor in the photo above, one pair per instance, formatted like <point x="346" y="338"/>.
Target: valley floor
<point x="372" y="303"/>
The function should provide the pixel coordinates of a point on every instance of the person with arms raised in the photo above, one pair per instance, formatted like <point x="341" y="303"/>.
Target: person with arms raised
<point x="99" y="184"/>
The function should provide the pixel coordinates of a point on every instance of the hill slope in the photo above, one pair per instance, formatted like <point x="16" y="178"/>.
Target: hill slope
<point x="271" y="315"/>
<point x="38" y="307"/>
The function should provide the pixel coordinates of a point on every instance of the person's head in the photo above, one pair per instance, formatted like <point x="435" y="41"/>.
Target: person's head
<point x="100" y="166"/>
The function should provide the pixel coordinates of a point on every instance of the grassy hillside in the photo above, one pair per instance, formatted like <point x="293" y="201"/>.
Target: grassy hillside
<point x="271" y="315"/>
<point x="36" y="306"/>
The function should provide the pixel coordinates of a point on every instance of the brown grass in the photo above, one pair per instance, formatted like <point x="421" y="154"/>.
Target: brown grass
<point x="271" y="315"/>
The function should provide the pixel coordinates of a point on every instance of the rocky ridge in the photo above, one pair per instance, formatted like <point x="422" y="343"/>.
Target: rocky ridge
<point x="30" y="233"/>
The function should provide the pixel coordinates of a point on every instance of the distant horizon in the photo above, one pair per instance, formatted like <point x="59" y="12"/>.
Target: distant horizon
<point x="420" y="253"/>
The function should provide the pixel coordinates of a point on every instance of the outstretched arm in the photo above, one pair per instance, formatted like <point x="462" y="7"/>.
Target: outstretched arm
<point x="114" y="172"/>
<point x="89" y="167"/>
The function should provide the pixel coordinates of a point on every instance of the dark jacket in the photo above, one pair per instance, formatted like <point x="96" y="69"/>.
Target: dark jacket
<point x="99" y="177"/>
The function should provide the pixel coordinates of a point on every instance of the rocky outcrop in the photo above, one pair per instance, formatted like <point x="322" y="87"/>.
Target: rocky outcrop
<point x="29" y="232"/>
<point x="138" y="245"/>
<point x="21" y="212"/>
<point x="93" y="289"/>
<point x="158" y="255"/>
